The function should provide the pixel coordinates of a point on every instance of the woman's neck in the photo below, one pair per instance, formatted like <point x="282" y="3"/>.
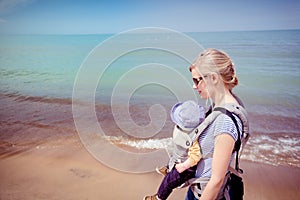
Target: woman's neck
<point x="225" y="97"/>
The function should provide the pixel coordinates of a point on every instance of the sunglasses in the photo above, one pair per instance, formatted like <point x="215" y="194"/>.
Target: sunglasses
<point x="198" y="80"/>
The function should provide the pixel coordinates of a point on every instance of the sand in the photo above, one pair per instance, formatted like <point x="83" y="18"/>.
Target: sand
<point x="70" y="172"/>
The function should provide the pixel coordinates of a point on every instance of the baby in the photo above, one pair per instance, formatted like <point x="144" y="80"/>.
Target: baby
<point x="186" y="153"/>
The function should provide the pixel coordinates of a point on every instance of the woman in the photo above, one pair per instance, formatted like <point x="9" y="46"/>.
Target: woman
<point x="214" y="78"/>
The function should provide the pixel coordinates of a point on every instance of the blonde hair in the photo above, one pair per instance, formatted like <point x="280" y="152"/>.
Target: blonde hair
<point x="213" y="60"/>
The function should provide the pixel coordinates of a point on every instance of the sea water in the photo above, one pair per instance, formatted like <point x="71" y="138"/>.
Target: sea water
<point x="37" y="75"/>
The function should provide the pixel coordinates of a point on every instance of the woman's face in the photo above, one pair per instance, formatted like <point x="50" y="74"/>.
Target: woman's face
<point x="200" y="84"/>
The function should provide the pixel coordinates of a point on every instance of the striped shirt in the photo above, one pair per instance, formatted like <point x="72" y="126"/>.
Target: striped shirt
<point x="222" y="124"/>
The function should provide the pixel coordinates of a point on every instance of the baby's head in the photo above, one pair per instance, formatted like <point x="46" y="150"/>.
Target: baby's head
<point x="188" y="114"/>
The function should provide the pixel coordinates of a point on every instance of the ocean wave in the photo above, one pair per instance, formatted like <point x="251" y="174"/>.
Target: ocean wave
<point x="275" y="139"/>
<point x="43" y="99"/>
<point x="164" y="143"/>
<point x="31" y="75"/>
<point x="273" y="150"/>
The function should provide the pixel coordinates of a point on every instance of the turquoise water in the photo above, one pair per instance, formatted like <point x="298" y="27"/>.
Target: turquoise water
<point x="267" y="63"/>
<point x="43" y="68"/>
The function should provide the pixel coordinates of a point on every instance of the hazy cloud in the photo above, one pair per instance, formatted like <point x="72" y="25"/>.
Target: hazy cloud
<point x="7" y="6"/>
<point x="2" y="21"/>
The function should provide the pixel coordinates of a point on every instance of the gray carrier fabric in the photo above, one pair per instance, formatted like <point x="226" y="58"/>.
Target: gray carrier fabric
<point x="181" y="144"/>
<point x="240" y="112"/>
<point x="184" y="139"/>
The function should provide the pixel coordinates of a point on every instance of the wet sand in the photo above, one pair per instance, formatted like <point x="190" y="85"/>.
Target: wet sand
<point x="70" y="172"/>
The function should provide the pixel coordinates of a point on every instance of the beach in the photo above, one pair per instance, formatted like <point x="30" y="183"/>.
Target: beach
<point x="70" y="172"/>
<point x="44" y="153"/>
<point x="42" y="157"/>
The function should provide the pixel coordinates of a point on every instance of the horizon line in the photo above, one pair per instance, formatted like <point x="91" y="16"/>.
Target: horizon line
<point x="187" y="32"/>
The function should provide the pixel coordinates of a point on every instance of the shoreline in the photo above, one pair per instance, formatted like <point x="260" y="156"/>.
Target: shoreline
<point x="70" y="172"/>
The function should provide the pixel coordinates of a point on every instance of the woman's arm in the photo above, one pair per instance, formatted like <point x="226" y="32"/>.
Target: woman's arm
<point x="224" y="145"/>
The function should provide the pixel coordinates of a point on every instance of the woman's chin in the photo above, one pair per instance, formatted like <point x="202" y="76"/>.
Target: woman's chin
<point x="202" y="96"/>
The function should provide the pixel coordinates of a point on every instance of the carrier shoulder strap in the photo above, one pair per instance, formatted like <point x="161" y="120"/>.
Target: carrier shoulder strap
<point x="229" y="109"/>
<point x="213" y="114"/>
<point x="207" y="121"/>
<point x="237" y="145"/>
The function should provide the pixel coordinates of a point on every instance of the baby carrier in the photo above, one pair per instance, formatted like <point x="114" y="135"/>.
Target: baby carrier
<point x="183" y="141"/>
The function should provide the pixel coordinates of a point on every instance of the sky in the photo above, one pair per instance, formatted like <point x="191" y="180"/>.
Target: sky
<point x="112" y="16"/>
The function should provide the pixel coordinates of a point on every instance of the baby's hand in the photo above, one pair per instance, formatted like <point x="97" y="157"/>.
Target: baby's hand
<point x="180" y="167"/>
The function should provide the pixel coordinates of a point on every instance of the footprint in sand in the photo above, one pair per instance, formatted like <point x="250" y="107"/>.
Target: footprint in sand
<point x="81" y="173"/>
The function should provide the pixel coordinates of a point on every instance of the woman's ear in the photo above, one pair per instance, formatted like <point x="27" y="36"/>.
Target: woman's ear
<point x="214" y="78"/>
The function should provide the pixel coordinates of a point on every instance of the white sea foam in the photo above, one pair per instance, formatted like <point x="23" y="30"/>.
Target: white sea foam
<point x="142" y="143"/>
<point x="274" y="150"/>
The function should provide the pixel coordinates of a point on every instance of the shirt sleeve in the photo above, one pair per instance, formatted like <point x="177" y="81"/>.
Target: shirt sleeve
<point x="195" y="153"/>
<point x="224" y="124"/>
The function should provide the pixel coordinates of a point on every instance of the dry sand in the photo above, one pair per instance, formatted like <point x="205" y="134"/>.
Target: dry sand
<point x="72" y="173"/>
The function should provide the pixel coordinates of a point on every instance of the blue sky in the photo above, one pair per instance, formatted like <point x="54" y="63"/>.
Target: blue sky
<point x="112" y="16"/>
